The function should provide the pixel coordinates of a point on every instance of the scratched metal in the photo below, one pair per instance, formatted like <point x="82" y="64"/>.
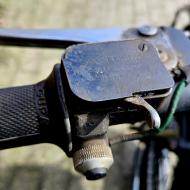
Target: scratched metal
<point x="114" y="70"/>
<point x="160" y="41"/>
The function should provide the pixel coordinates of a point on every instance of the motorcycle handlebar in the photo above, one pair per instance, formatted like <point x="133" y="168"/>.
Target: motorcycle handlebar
<point x="33" y="114"/>
<point x="19" y="122"/>
<point x="38" y="113"/>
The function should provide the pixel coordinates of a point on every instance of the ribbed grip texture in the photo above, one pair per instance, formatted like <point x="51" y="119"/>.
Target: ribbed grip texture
<point x="18" y="116"/>
<point x="91" y="152"/>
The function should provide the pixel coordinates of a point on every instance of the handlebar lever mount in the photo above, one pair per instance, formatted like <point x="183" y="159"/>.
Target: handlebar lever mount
<point x="98" y="78"/>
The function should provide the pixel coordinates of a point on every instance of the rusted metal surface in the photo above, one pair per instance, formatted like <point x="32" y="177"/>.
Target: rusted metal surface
<point x="161" y="41"/>
<point x="91" y="125"/>
<point x="115" y="70"/>
<point x="92" y="155"/>
<point x="95" y="156"/>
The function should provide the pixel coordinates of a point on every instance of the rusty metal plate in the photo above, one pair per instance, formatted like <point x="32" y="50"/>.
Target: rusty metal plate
<point x="114" y="70"/>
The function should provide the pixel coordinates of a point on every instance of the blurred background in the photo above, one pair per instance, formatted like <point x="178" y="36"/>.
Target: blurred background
<point x="45" y="167"/>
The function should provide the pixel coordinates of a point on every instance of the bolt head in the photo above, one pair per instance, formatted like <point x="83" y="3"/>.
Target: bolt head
<point x="147" y="30"/>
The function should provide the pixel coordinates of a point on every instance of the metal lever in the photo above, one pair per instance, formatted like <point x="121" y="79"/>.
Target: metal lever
<point x="153" y="119"/>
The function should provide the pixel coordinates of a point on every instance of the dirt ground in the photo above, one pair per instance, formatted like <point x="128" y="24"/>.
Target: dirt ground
<point x="45" y="167"/>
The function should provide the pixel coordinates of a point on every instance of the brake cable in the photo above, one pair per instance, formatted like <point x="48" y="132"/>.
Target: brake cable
<point x="173" y="105"/>
<point x="171" y="111"/>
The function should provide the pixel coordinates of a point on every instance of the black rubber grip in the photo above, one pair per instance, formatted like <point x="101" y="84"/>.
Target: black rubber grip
<point x="20" y="112"/>
<point x="34" y="114"/>
<point x="18" y="116"/>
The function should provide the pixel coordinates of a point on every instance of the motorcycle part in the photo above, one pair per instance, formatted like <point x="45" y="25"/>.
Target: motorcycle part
<point x="152" y="117"/>
<point x="93" y="159"/>
<point x="56" y="38"/>
<point x="148" y="30"/>
<point x="115" y="70"/>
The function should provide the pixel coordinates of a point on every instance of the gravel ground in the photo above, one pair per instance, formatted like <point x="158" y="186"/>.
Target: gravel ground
<point x="45" y="167"/>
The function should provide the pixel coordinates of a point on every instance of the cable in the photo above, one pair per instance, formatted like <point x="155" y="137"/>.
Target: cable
<point x="173" y="105"/>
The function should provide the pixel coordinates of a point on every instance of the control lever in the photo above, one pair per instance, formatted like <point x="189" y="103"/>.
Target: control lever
<point x="152" y="117"/>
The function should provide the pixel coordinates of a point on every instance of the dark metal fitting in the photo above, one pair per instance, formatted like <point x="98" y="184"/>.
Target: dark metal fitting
<point x="92" y="155"/>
